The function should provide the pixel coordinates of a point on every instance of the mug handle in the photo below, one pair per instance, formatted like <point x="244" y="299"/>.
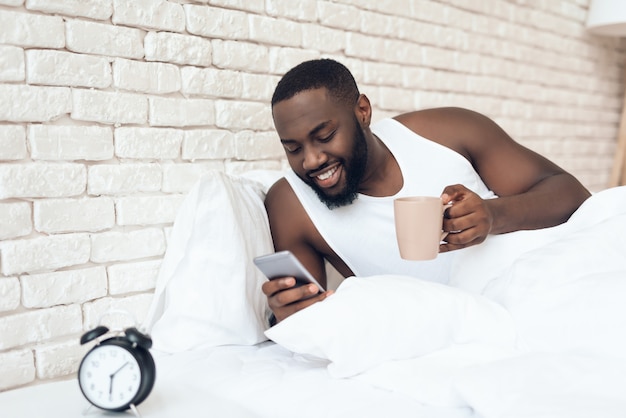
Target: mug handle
<point x="443" y="209"/>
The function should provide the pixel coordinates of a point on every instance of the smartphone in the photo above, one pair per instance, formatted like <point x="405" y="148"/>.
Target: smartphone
<point x="285" y="264"/>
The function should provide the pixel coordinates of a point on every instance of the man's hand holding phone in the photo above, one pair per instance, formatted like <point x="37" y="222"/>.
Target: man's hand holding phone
<point x="290" y="287"/>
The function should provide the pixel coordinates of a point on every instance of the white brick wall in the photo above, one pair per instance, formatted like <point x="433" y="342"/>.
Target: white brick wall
<point x="179" y="178"/>
<point x="136" y="305"/>
<point x="145" y="77"/>
<point x="104" y="39"/>
<point x="123" y="246"/>
<point x="68" y="215"/>
<point x="15" y="219"/>
<point x="216" y="23"/>
<point x="180" y="112"/>
<point x="32" y="30"/>
<point x="69" y="142"/>
<point x="63" y="287"/>
<point x="153" y="143"/>
<point x="9" y="293"/>
<point x="50" y="323"/>
<point x="59" y="358"/>
<point x="211" y="82"/>
<point x="153" y="14"/>
<point x="44" y="253"/>
<point x="133" y="277"/>
<point x="12" y="142"/>
<point x="41" y="180"/>
<point x="178" y="48"/>
<point x="124" y="178"/>
<point x="16" y="368"/>
<point x="22" y="103"/>
<point x="12" y="66"/>
<point x="109" y="107"/>
<point x="94" y="9"/>
<point x="111" y="110"/>
<point x="58" y="68"/>
<point x="147" y="210"/>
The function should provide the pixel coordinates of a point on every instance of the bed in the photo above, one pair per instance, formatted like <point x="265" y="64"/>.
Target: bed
<point x="531" y="324"/>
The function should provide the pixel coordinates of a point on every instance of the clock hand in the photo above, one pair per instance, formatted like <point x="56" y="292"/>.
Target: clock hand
<point x="111" y="376"/>
<point x="117" y="371"/>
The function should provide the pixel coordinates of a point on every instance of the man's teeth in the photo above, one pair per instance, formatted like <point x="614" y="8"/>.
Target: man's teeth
<point x="328" y="174"/>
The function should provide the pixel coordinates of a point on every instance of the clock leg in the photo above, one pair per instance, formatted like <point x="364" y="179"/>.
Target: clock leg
<point x="86" y="410"/>
<point x="135" y="410"/>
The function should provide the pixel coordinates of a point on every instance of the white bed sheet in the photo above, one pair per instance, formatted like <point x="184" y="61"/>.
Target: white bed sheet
<point x="562" y="287"/>
<point x="260" y="381"/>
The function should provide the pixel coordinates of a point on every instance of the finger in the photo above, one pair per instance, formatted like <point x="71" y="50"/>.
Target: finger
<point x="462" y="216"/>
<point x="271" y="287"/>
<point x="456" y="224"/>
<point x="293" y="295"/>
<point x="459" y="209"/>
<point x="467" y="238"/>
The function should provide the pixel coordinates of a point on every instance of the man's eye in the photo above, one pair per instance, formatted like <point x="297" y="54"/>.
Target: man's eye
<point x="292" y="150"/>
<point x="328" y="138"/>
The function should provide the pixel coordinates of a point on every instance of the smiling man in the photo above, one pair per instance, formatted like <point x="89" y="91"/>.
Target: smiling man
<point x="337" y="202"/>
<point x="336" y="182"/>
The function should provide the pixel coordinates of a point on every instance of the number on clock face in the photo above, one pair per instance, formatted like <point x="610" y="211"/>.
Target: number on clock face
<point x="109" y="376"/>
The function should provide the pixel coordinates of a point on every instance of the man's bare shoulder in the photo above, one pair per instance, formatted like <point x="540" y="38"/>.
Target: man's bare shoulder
<point x="441" y="122"/>
<point x="465" y="131"/>
<point x="282" y="204"/>
<point x="453" y="127"/>
<point x="279" y="192"/>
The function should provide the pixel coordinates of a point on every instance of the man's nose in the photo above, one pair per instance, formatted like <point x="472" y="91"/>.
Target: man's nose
<point x="314" y="157"/>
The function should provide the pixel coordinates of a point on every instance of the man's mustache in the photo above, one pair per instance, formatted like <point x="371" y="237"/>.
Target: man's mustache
<point x="322" y="167"/>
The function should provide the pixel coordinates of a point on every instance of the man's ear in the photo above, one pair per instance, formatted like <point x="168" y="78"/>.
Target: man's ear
<point x="363" y="111"/>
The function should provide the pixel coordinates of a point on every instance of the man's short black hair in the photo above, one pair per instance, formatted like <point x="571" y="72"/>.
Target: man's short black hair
<point x="310" y="75"/>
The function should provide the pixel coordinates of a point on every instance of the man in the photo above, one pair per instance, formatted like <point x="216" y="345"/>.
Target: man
<point x="337" y="204"/>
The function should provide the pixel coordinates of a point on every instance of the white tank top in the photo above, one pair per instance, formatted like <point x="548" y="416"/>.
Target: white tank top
<point x="362" y="234"/>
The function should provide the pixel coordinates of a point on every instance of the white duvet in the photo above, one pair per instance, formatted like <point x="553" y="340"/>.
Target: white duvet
<point x="533" y="323"/>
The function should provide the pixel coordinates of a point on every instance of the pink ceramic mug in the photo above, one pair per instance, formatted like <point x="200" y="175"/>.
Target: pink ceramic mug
<point x="419" y="226"/>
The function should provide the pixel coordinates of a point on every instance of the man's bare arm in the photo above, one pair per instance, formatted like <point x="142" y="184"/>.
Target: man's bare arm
<point x="290" y="229"/>
<point x="534" y="192"/>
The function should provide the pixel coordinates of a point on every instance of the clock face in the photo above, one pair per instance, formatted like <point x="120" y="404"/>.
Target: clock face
<point x="110" y="377"/>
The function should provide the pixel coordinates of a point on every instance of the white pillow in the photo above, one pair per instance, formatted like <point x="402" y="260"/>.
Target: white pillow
<point x="208" y="291"/>
<point x="570" y="295"/>
<point x="370" y="320"/>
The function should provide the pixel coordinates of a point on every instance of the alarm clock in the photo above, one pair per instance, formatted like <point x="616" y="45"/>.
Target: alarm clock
<point x="118" y="373"/>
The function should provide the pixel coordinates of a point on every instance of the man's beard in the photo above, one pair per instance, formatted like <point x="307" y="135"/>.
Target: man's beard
<point x="354" y="172"/>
